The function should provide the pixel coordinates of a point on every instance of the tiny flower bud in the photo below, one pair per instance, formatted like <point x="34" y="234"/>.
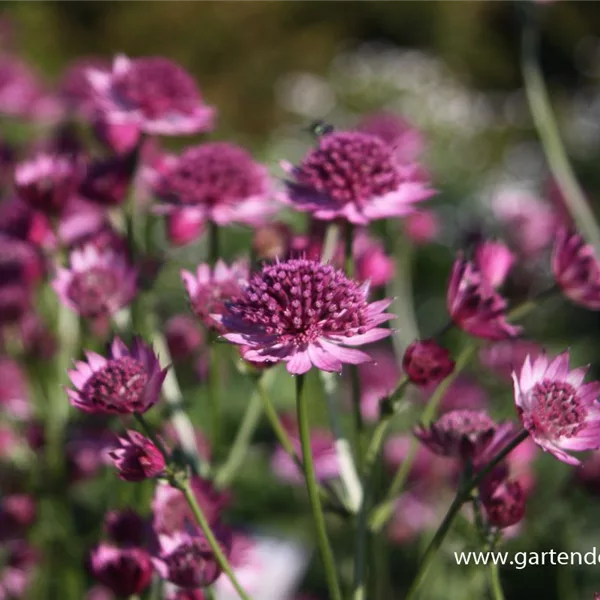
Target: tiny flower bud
<point x="426" y="362"/>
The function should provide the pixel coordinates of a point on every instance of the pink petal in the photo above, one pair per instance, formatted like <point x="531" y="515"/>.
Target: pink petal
<point x="323" y="360"/>
<point x="346" y="355"/>
<point x="364" y="338"/>
<point x="299" y="363"/>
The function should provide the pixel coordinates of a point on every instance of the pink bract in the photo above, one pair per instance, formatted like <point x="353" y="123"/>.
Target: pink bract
<point x="137" y="458"/>
<point x="306" y="314"/>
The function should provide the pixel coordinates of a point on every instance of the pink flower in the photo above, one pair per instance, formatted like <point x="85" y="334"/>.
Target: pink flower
<point x="126" y="382"/>
<point x="371" y="261"/>
<point x="137" y="458"/>
<point x="421" y="227"/>
<point x="475" y="306"/>
<point x="494" y="260"/>
<point x="211" y="288"/>
<point x="20" y="261"/>
<point x="426" y="362"/>
<point x="503" y="500"/>
<point x="184" y="336"/>
<point x="153" y="93"/>
<point x="182" y="594"/>
<point x="184" y="226"/>
<point x="14" y="392"/>
<point x="108" y="181"/>
<point x="576" y="269"/>
<point x="19" y="561"/>
<point x="124" y="571"/>
<point x="462" y="393"/>
<point x="87" y="450"/>
<point x="413" y="514"/>
<point x="118" y="137"/>
<point x="17" y="513"/>
<point x="560" y="412"/>
<point x="217" y="182"/>
<point x="75" y="89"/>
<point x="47" y="182"/>
<point x="125" y="527"/>
<point x="353" y="176"/>
<point x="98" y="284"/>
<point x="304" y="313"/>
<point x="505" y="356"/>
<point x="21" y="93"/>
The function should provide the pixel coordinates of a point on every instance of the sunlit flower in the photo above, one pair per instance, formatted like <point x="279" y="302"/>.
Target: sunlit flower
<point x="137" y="458"/>
<point x="304" y="313"/>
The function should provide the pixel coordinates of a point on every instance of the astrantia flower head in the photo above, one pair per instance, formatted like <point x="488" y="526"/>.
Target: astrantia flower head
<point x="210" y="289"/>
<point x="503" y="500"/>
<point x="154" y="93"/>
<point x="125" y="527"/>
<point x="426" y="362"/>
<point x="47" y="182"/>
<point x="353" y="176"/>
<point x="304" y="313"/>
<point x="98" y="284"/>
<point x="576" y="269"/>
<point x="217" y="182"/>
<point x="137" y="458"/>
<point x="475" y="306"/>
<point x="126" y="381"/>
<point x="560" y="412"/>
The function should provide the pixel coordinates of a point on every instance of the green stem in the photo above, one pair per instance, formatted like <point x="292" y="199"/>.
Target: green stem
<point x="213" y="243"/>
<point x="348" y="256"/>
<point x="210" y="538"/>
<point x="462" y="495"/>
<point x="547" y="129"/>
<point x="313" y="492"/>
<point x="214" y="379"/>
<point x="243" y="438"/>
<point x="495" y="584"/>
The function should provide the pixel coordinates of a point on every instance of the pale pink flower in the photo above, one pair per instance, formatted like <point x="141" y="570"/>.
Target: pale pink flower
<point x="414" y="513"/>
<point x="306" y="314"/>
<point x="353" y="176"/>
<point x="560" y="412"/>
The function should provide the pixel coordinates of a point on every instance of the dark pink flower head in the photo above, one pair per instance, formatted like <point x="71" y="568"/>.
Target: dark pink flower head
<point x="426" y="362"/>
<point x="137" y="458"/>
<point x="475" y="306"/>
<point x="560" y="412"/>
<point x="108" y="180"/>
<point x="187" y="560"/>
<point x="124" y="571"/>
<point x="217" y="182"/>
<point x="125" y="527"/>
<point x="184" y="336"/>
<point x="463" y="434"/>
<point x="154" y="93"/>
<point x="17" y="513"/>
<point x="494" y="260"/>
<point x="211" y="288"/>
<point x="98" y="284"/>
<point x="20" y="89"/>
<point x="304" y="313"/>
<point x="505" y="356"/>
<point x="422" y="226"/>
<point x="371" y="261"/>
<point x="576" y="269"/>
<point x="353" y="176"/>
<point x="75" y="89"/>
<point x="14" y="392"/>
<point x="126" y="381"/>
<point x="48" y="181"/>
<point x="503" y="500"/>
<point x="171" y="510"/>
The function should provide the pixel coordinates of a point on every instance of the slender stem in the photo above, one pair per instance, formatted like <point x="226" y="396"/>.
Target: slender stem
<point x="213" y="243"/>
<point x="330" y="245"/>
<point x="360" y="547"/>
<point x="210" y="538"/>
<point x="495" y="584"/>
<point x="547" y="129"/>
<point x="462" y="495"/>
<point x="214" y="380"/>
<point x="209" y="593"/>
<point x="241" y="443"/>
<point x="313" y="493"/>
<point x="348" y="256"/>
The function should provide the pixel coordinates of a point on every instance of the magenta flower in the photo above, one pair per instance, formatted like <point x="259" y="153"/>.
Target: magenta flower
<point x="126" y="382"/>
<point x="464" y="434"/>
<point x="154" y="93"/>
<point x="217" y="182"/>
<point x="14" y="392"/>
<point x="371" y="261"/>
<point x="124" y="571"/>
<point x="414" y="513"/>
<point x="422" y="226"/>
<point x="426" y="362"/>
<point x="17" y="513"/>
<point x="353" y="176"/>
<point x="304" y="313"/>
<point x="494" y="260"/>
<point x="184" y="336"/>
<point x="210" y="289"/>
<point x="137" y="458"/>
<point x="576" y="269"/>
<point x="75" y="89"/>
<point x="21" y="93"/>
<point x="108" y="181"/>
<point x="560" y="412"/>
<point x="475" y="306"/>
<point x="98" y="284"/>
<point x="125" y="527"/>
<point x="47" y="182"/>
<point x="184" y="226"/>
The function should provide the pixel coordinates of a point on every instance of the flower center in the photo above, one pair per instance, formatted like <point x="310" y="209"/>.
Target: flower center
<point x="120" y="383"/>
<point x="157" y="87"/>
<point x="301" y="300"/>
<point x="558" y="411"/>
<point x="93" y="291"/>
<point x="349" y="167"/>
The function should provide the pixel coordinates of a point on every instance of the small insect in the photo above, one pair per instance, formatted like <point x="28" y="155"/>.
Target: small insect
<point x="320" y="128"/>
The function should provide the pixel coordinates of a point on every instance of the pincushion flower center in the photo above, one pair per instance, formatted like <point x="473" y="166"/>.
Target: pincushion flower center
<point x="557" y="411"/>
<point x="92" y="290"/>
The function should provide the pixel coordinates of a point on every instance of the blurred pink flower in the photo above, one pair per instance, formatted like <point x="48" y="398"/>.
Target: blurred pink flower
<point x="20" y="261"/>
<point x="184" y="226"/>
<point x="127" y="381"/>
<point x="14" y="391"/>
<point x="184" y="337"/>
<point x="120" y="138"/>
<point x="426" y="362"/>
<point x="19" y="561"/>
<point x="503" y="500"/>
<point x="353" y="176"/>
<point x="494" y="260"/>
<point x="109" y="180"/>
<point x="413" y="514"/>
<point x="421" y="226"/>
<point x="75" y="89"/>
<point x="17" y="514"/>
<point x="137" y="458"/>
<point x="505" y="356"/>
<point x="86" y="450"/>
<point x="371" y="262"/>
<point x="154" y="93"/>
<point x="126" y="527"/>
<point x="306" y="314"/>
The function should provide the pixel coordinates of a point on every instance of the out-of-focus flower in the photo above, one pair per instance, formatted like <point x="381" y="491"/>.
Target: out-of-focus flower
<point x="137" y="458"/>
<point x="505" y="356"/>
<point x="107" y="181"/>
<point x="503" y="500"/>
<point x="17" y="513"/>
<point x="154" y="93"/>
<point x="47" y="182"/>
<point x="210" y="289"/>
<point x="426" y="362"/>
<point x="98" y="284"/>
<point x="9" y="441"/>
<point x="127" y="381"/>
<point x="353" y="176"/>
<point x="216" y="182"/>
<point x="462" y="393"/>
<point x="121" y="138"/>
<point x="413" y="514"/>
<point x="14" y="393"/>
<point x="494" y="260"/>
<point x="86" y="450"/>
<point x="202" y="442"/>
<point x="304" y="313"/>
<point x="15" y="301"/>
<point x="20" y="261"/>
<point x="177" y="593"/>
<point x="406" y="141"/>
<point x="560" y="412"/>
<point x="124" y="571"/>
<point x="324" y="455"/>
<point x="75" y="89"/>
<point x="184" y="226"/>
<point x="475" y="306"/>
<point x="184" y="336"/>
<point x="125" y="527"/>
<point x="421" y="226"/>
<point x="19" y="561"/>
<point x="576" y="269"/>
<point x="371" y="262"/>
<point x="171" y="510"/>
<point x="36" y="338"/>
